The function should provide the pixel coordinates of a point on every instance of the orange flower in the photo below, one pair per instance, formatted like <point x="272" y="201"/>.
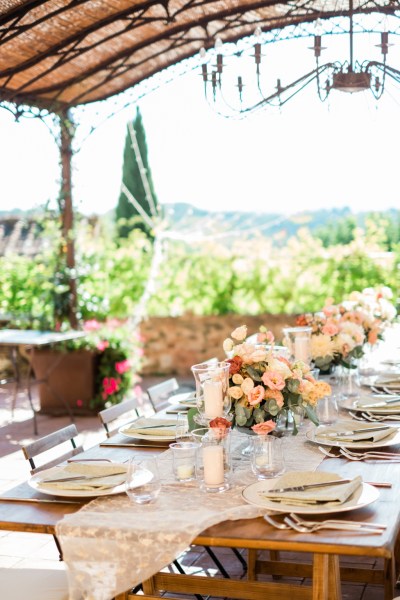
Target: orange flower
<point x="264" y="428"/>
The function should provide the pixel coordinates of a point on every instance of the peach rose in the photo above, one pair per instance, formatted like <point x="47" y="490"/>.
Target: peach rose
<point x="240" y="333"/>
<point x="264" y="428"/>
<point x="256" y="395"/>
<point x="273" y="380"/>
<point x="275" y="395"/>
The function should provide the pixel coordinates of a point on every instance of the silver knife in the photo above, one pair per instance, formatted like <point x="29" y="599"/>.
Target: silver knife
<point x="354" y="431"/>
<point x="301" y="488"/>
<point x="378" y="404"/>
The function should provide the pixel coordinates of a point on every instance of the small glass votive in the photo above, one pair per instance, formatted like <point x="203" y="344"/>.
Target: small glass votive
<point x="184" y="460"/>
<point x="182" y="432"/>
<point x="327" y="410"/>
<point x="266" y="457"/>
<point x="213" y="461"/>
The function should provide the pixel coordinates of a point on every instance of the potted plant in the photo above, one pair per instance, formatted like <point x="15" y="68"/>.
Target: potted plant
<point x="87" y="373"/>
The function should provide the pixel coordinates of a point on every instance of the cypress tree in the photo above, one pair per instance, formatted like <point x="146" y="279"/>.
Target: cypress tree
<point x="127" y="215"/>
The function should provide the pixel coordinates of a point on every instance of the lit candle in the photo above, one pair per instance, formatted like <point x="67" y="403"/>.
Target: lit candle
<point x="213" y="400"/>
<point x="213" y="462"/>
<point x="302" y="348"/>
<point x="184" y="472"/>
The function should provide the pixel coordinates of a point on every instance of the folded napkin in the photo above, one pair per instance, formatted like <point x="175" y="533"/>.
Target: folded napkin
<point x="332" y="495"/>
<point x="158" y="427"/>
<point x="331" y="433"/>
<point x="94" y="477"/>
<point x="367" y="403"/>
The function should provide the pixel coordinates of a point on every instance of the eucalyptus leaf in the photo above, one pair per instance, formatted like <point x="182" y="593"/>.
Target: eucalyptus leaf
<point x="311" y="414"/>
<point x="192" y="412"/>
<point x="254" y="374"/>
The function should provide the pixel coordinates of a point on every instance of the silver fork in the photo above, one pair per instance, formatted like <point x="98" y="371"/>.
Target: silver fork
<point x="357" y="417"/>
<point x="307" y="522"/>
<point x="395" y="458"/>
<point x="326" y="525"/>
<point x="274" y="523"/>
<point x="369" y="416"/>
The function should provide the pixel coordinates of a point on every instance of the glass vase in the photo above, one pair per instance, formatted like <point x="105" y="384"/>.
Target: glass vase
<point x="212" y="384"/>
<point x="298" y="341"/>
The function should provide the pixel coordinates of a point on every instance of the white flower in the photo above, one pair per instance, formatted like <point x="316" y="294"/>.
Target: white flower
<point x="237" y="378"/>
<point x="353" y="330"/>
<point x="228" y="345"/>
<point x="344" y="343"/>
<point x="247" y="385"/>
<point x="235" y="392"/>
<point x="281" y="367"/>
<point x="240" y="333"/>
<point x="322" y="345"/>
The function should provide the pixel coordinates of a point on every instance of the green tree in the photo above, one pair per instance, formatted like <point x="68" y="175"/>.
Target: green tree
<point x="137" y="203"/>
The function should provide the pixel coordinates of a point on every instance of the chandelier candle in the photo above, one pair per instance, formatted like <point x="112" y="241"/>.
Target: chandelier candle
<point x="213" y="399"/>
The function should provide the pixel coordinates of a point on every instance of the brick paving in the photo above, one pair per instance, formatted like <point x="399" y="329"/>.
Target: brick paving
<point x="39" y="550"/>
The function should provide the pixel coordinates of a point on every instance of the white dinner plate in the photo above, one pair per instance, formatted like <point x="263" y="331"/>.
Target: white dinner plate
<point x="184" y="399"/>
<point x="35" y="483"/>
<point x="390" y="409"/>
<point x="391" y="440"/>
<point x="364" y="495"/>
<point x="378" y="381"/>
<point x="145" y="436"/>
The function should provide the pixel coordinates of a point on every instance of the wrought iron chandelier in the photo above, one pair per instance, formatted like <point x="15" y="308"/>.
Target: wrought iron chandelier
<point x="348" y="76"/>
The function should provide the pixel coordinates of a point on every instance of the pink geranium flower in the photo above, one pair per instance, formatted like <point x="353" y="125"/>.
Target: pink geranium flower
<point x="123" y="366"/>
<point x="91" y="325"/>
<point x="273" y="380"/>
<point x="102" y="345"/>
<point x="110" y="385"/>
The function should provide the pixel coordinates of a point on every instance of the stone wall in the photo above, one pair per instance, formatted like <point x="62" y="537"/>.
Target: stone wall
<point x="173" y="344"/>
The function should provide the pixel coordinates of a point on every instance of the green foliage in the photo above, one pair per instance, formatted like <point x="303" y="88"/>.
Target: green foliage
<point x="127" y="215"/>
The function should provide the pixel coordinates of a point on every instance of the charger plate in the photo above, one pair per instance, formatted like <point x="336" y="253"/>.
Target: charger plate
<point x="389" y="409"/>
<point x="35" y="483"/>
<point x="390" y="440"/>
<point x="364" y="495"/>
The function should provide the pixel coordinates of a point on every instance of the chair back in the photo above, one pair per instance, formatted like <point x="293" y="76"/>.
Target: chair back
<point x="159" y="393"/>
<point x="114" y="417"/>
<point x="53" y="441"/>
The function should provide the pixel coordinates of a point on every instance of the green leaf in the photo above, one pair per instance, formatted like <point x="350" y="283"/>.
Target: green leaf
<point x="254" y="374"/>
<point x="311" y="414"/>
<point x="192" y="412"/>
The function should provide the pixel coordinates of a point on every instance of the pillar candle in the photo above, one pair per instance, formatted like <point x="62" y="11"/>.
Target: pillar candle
<point x="213" y="462"/>
<point x="213" y="399"/>
<point x="302" y="348"/>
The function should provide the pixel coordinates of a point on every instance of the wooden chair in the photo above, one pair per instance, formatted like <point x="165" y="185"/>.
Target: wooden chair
<point x="115" y="416"/>
<point x="35" y="584"/>
<point x="51" y="442"/>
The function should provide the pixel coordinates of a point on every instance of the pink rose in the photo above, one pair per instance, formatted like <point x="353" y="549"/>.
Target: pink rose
<point x="264" y="428"/>
<point x="256" y="395"/>
<point x="273" y="380"/>
<point x="330" y="329"/>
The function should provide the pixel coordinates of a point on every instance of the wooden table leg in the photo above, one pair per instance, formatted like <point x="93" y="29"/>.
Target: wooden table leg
<point x="326" y="577"/>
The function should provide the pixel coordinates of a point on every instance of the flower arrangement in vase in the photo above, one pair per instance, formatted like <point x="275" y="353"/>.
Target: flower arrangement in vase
<point x="264" y="386"/>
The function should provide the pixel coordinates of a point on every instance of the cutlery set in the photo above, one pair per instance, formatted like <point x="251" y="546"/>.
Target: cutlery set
<point x="294" y="523"/>
<point x="369" y="455"/>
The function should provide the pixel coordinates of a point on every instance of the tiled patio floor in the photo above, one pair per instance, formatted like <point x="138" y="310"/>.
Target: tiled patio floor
<point x="36" y="550"/>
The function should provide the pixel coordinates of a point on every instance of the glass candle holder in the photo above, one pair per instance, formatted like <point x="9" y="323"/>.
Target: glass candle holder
<point x="212" y="383"/>
<point x="298" y="341"/>
<point x="213" y="461"/>
<point x="266" y="457"/>
<point x="184" y="460"/>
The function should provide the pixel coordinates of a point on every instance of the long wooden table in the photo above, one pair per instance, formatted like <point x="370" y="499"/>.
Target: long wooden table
<point x="30" y="511"/>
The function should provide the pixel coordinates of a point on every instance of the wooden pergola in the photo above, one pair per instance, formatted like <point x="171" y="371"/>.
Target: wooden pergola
<point x="58" y="54"/>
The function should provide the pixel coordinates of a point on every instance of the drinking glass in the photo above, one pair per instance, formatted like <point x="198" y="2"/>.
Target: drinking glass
<point x="266" y="457"/>
<point x="143" y="483"/>
<point x="327" y="410"/>
<point x="182" y="432"/>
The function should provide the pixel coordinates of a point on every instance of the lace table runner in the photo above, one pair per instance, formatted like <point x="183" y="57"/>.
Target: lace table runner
<point x="112" y="544"/>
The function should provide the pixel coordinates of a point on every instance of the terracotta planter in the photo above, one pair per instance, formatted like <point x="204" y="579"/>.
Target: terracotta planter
<point x="68" y="379"/>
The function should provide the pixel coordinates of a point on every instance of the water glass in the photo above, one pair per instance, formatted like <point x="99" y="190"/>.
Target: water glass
<point x="182" y="432"/>
<point x="327" y="410"/>
<point x="184" y="460"/>
<point x="266" y="457"/>
<point x="143" y="483"/>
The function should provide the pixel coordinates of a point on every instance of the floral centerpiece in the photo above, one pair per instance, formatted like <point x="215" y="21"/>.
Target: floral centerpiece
<point x="340" y="331"/>
<point x="262" y="386"/>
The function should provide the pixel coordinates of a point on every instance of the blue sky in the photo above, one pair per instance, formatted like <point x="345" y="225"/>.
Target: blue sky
<point x="307" y="155"/>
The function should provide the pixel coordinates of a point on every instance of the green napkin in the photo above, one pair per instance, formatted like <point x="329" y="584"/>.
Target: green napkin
<point x="330" y="496"/>
<point x="158" y="427"/>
